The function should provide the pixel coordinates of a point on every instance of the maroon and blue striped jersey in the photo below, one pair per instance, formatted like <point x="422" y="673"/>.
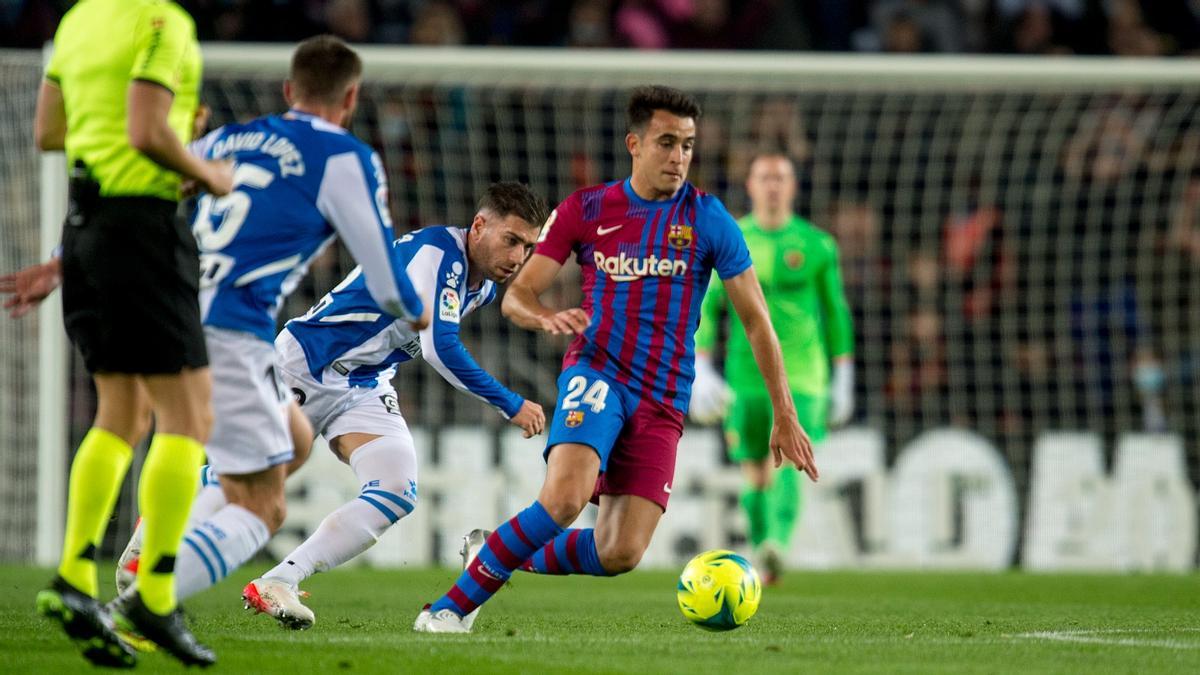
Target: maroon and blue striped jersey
<point x="646" y="265"/>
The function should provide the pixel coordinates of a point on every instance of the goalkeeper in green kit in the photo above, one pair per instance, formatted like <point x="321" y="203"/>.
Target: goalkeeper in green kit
<point x="797" y="265"/>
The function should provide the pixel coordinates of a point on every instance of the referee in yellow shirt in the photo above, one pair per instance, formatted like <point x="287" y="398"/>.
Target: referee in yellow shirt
<point x="120" y="92"/>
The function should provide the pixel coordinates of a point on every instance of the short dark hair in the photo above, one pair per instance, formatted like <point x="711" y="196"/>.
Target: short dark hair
<point x="510" y="198"/>
<point x="322" y="68"/>
<point x="771" y="151"/>
<point x="644" y="100"/>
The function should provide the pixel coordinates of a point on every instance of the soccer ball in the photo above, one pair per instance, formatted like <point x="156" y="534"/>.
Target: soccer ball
<point x="719" y="590"/>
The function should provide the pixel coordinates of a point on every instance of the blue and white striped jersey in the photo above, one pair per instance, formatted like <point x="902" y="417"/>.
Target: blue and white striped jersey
<point x="299" y="182"/>
<point x="345" y="336"/>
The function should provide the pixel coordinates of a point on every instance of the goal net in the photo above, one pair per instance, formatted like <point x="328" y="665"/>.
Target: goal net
<point x="1019" y="244"/>
<point x="20" y="74"/>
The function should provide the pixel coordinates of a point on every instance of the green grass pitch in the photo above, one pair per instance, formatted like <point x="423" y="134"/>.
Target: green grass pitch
<point x="844" y="622"/>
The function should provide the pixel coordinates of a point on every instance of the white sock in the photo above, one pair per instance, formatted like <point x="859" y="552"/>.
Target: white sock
<point x="216" y="547"/>
<point x="387" y="469"/>
<point x="209" y="499"/>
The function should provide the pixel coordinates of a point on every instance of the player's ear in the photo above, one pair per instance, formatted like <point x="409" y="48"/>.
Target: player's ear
<point x="632" y="143"/>
<point x="287" y="93"/>
<point x="351" y="99"/>
<point x="477" y="225"/>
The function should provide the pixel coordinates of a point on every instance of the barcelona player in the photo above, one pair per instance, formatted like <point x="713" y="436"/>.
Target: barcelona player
<point x="647" y="246"/>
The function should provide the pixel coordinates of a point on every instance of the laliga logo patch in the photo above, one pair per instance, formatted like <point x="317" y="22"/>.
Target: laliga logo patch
<point x="680" y="236"/>
<point x="448" y="305"/>
<point x="574" y="418"/>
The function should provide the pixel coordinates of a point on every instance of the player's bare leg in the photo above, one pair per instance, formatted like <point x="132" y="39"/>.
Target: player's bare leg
<point x="571" y="471"/>
<point x="260" y="493"/>
<point x="123" y="406"/>
<point x="625" y="525"/>
<point x="301" y="431"/>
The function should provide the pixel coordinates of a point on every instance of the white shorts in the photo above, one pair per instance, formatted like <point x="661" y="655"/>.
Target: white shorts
<point x="333" y="407"/>
<point x="250" y="427"/>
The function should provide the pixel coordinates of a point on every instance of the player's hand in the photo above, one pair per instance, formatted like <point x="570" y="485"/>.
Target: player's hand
<point x="531" y="418"/>
<point x="422" y="322"/>
<point x="710" y="393"/>
<point x="841" y="392"/>
<point x="789" y="441"/>
<point x="30" y="286"/>
<point x="218" y="177"/>
<point x="567" y="322"/>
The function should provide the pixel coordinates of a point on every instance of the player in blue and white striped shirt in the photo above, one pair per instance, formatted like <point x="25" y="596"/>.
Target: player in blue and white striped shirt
<point x="300" y="181"/>
<point x="339" y="358"/>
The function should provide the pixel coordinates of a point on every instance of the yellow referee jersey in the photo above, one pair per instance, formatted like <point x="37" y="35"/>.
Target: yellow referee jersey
<point x="100" y="47"/>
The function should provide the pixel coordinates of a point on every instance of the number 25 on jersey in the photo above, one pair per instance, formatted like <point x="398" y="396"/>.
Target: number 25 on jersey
<point x="219" y="219"/>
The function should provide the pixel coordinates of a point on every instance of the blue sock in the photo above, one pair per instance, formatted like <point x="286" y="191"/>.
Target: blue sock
<point x="506" y="549"/>
<point x="572" y="552"/>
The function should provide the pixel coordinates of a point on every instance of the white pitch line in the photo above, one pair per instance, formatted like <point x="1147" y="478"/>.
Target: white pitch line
<point x="1087" y="636"/>
<point x="1097" y="636"/>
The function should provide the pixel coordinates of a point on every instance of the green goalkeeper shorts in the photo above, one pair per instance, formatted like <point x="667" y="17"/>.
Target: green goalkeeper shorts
<point x="748" y="424"/>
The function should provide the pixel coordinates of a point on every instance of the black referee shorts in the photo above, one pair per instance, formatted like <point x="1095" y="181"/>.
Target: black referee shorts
<point x="131" y="278"/>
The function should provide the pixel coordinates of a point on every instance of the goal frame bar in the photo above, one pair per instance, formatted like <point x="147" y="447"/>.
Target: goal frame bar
<point x="698" y="70"/>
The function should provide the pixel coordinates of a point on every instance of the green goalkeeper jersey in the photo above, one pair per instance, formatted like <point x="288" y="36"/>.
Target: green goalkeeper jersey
<point x="797" y="266"/>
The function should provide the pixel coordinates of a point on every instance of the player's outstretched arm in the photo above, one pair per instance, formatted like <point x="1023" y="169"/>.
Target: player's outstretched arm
<point x="149" y="133"/>
<point x="441" y="342"/>
<point x="788" y="439"/>
<point x="353" y="198"/>
<point x="523" y="305"/>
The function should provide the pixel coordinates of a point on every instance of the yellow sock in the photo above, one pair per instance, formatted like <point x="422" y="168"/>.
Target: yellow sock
<point x="96" y="474"/>
<point x="165" y="494"/>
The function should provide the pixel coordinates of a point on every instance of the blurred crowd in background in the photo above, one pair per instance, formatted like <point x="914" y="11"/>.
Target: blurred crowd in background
<point x="1121" y="27"/>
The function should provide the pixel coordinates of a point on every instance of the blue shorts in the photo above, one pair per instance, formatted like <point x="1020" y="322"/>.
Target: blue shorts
<point x="636" y="438"/>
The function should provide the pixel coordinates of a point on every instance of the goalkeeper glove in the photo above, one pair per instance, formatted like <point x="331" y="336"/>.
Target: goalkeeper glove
<point x="841" y="392"/>
<point x="710" y="393"/>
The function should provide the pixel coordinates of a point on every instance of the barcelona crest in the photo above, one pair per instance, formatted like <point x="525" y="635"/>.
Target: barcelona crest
<point x="574" y="418"/>
<point x="680" y="236"/>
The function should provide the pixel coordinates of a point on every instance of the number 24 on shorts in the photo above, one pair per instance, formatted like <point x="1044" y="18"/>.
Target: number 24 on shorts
<point x="578" y="392"/>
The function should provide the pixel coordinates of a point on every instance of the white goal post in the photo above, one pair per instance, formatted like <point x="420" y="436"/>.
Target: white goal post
<point x="1013" y="240"/>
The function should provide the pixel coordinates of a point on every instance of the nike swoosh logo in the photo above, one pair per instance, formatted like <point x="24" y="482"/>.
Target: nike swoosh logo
<point x="667" y="488"/>
<point x="606" y="230"/>
<point x="484" y="571"/>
